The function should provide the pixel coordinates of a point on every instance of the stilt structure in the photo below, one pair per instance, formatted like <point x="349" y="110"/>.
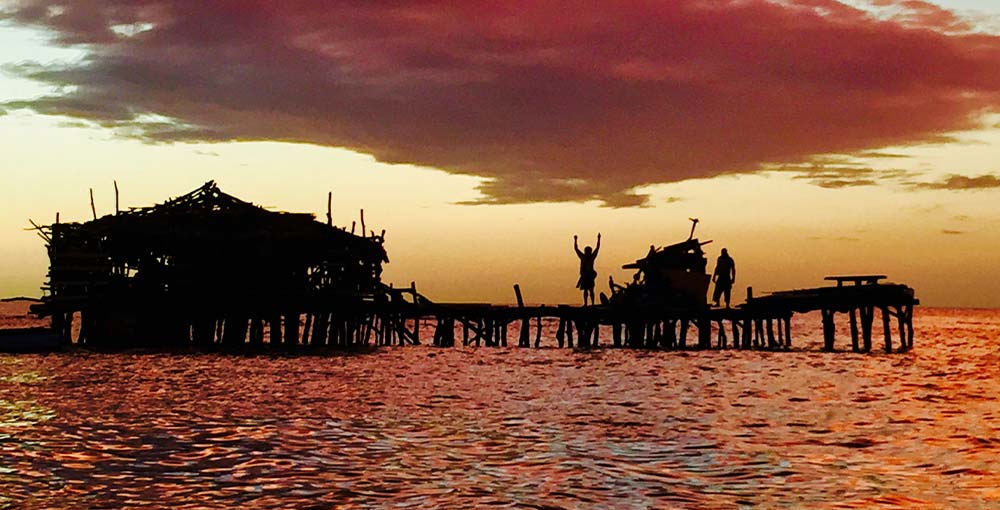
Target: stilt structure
<point x="210" y="271"/>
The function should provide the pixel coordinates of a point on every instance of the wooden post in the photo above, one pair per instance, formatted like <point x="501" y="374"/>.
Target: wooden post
<point x="901" y="322"/>
<point x="320" y="326"/>
<point x="581" y="332"/>
<point x="93" y="209"/>
<point x="116" y="198"/>
<point x="854" y="331"/>
<point x="885" y="328"/>
<point x="867" y="317"/>
<point x="670" y="333"/>
<point x="770" y="333"/>
<point x="747" y="332"/>
<point x="569" y="333"/>
<point x="685" y="324"/>
<point x="483" y="330"/>
<point x="828" y="330"/>
<point x="235" y="332"/>
<point x="307" y="329"/>
<point x="416" y="330"/>
<point x="524" y="339"/>
<point x="329" y="209"/>
<point x="909" y="326"/>
<point x="256" y="331"/>
<point x="363" y="231"/>
<point x="58" y="325"/>
<point x="291" y="329"/>
<point x="538" y="332"/>
<point x="788" y="332"/>
<point x="758" y="339"/>
<point x="561" y="332"/>
<point x="203" y="331"/>
<point x="704" y="332"/>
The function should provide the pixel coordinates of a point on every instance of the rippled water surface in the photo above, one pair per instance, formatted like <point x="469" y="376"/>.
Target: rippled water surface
<point x="420" y="427"/>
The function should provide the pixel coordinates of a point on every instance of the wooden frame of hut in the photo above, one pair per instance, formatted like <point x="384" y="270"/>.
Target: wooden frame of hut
<point x="207" y="268"/>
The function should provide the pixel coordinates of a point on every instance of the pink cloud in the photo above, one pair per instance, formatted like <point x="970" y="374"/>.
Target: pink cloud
<point x="547" y="100"/>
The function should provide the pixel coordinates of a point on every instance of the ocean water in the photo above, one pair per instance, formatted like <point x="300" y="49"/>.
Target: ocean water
<point x="422" y="427"/>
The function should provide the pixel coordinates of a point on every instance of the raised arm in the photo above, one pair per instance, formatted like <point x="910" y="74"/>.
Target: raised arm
<point x="576" y="247"/>
<point x="597" y="247"/>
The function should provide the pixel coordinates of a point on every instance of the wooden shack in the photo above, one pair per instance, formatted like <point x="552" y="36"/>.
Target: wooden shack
<point x="205" y="268"/>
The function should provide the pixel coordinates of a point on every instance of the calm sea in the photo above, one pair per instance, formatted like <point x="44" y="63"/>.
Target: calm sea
<point x="420" y="427"/>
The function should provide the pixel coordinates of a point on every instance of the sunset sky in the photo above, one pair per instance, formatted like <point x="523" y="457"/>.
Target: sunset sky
<point x="811" y="137"/>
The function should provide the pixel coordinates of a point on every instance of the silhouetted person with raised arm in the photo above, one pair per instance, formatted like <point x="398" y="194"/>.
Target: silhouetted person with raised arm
<point x="724" y="277"/>
<point x="587" y="273"/>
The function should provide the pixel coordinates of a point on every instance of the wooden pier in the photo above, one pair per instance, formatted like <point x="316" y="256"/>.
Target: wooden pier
<point x="207" y="270"/>
<point x="762" y="323"/>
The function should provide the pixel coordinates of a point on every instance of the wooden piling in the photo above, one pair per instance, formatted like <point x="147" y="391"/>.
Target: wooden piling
<point x="854" y="330"/>
<point x="307" y="329"/>
<point x="291" y="323"/>
<point x="771" y="343"/>
<point x="867" y="318"/>
<point x="885" y="328"/>
<point x="561" y="332"/>
<point x="788" y="332"/>
<point x="538" y="332"/>
<point x="828" y="329"/>
<point x="901" y="323"/>
<point x="524" y="339"/>
<point x="682" y="337"/>
<point x="569" y="333"/>
<point x="256" y="331"/>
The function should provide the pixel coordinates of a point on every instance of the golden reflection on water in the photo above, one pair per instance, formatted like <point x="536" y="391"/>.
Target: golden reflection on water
<point x="465" y="428"/>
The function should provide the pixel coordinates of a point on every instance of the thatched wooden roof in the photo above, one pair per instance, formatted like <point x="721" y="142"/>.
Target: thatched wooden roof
<point x="208" y="219"/>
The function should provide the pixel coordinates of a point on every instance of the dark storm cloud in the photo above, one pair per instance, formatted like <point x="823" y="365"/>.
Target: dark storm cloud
<point x="548" y="101"/>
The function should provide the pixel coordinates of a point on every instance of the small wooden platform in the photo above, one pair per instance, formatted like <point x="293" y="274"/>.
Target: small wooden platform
<point x="859" y="301"/>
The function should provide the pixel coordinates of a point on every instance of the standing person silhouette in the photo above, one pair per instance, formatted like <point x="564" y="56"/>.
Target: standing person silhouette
<point x="724" y="277"/>
<point x="587" y="273"/>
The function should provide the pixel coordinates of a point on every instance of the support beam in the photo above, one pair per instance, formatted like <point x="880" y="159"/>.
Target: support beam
<point x="828" y="330"/>
<point x="885" y="328"/>
<point x="855" y="346"/>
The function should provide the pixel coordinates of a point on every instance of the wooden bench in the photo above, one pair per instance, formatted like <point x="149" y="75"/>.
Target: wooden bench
<point x="865" y="279"/>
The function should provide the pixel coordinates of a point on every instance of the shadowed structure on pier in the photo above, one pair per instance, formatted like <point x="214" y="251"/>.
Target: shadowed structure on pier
<point x="203" y="267"/>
